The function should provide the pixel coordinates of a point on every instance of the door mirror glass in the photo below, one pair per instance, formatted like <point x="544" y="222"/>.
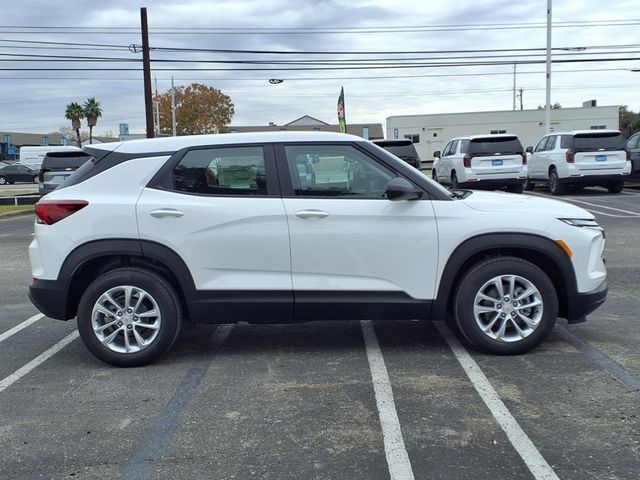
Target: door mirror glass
<point x="436" y="154"/>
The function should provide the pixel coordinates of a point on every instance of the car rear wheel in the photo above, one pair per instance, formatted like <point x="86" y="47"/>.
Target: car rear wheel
<point x="615" y="187"/>
<point x="454" y="181"/>
<point x="555" y="187"/>
<point x="505" y="305"/>
<point x="3" y="181"/>
<point x="515" y="189"/>
<point x="129" y="317"/>
<point x="529" y="185"/>
<point x="35" y="179"/>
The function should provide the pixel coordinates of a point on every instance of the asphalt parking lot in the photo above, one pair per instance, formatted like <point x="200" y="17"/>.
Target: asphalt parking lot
<point x="337" y="400"/>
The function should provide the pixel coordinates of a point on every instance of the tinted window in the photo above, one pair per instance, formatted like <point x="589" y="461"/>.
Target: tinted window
<point x="401" y="149"/>
<point x="565" y="141"/>
<point x="464" y="146"/>
<point x="551" y="143"/>
<point x="598" y="141"/>
<point x="336" y="171"/>
<point x="221" y="171"/>
<point x="633" y="141"/>
<point x="541" y="144"/>
<point x="447" y="149"/>
<point x="490" y="146"/>
<point x="64" y="160"/>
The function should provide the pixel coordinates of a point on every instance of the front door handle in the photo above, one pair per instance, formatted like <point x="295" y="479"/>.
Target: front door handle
<point x="166" y="212"/>
<point x="305" y="214"/>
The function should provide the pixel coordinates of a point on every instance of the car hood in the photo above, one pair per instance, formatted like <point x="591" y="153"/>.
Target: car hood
<point x="514" y="203"/>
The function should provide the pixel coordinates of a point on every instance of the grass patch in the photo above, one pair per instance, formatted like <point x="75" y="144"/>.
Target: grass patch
<point x="15" y="208"/>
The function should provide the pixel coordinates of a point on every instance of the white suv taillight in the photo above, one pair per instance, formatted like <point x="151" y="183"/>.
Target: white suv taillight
<point x="52" y="211"/>
<point x="466" y="160"/>
<point x="569" y="154"/>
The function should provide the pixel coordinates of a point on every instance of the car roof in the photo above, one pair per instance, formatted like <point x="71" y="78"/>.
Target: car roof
<point x="171" y="144"/>
<point x="582" y="132"/>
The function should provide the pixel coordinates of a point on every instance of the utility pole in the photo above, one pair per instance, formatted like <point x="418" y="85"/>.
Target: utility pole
<point x="520" y="90"/>
<point x="547" y="108"/>
<point x="514" y="86"/>
<point x="156" y="102"/>
<point x="146" y="68"/>
<point x="173" y="108"/>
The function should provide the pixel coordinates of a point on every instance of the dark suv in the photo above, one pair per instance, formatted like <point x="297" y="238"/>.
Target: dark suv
<point x="403" y="149"/>
<point x="56" y="167"/>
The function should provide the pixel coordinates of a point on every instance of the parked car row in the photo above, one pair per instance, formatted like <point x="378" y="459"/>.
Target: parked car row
<point x="565" y="161"/>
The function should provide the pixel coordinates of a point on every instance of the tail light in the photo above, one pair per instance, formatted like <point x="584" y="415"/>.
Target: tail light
<point x="570" y="154"/>
<point x="52" y="211"/>
<point x="524" y="158"/>
<point x="466" y="160"/>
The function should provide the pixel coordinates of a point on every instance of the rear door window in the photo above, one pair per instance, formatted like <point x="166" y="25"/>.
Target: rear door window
<point x="496" y="145"/>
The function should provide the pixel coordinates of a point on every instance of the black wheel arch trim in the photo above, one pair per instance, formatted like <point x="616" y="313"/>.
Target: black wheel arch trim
<point x="142" y="249"/>
<point x="521" y="245"/>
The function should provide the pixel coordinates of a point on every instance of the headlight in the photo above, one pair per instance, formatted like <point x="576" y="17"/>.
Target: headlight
<point x="583" y="222"/>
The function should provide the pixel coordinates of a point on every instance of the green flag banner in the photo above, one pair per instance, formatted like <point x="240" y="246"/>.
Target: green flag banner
<point x="341" y="118"/>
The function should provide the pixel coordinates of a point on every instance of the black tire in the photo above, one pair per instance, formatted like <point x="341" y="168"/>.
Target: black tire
<point x="529" y="185"/>
<point x="476" y="280"/>
<point x="454" y="181"/>
<point x="434" y="176"/>
<point x="3" y="181"/>
<point x="615" y="187"/>
<point x="158" y="289"/>
<point x="515" y="189"/>
<point x="555" y="187"/>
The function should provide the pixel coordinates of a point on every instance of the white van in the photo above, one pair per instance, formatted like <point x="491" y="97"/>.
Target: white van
<point x="34" y="155"/>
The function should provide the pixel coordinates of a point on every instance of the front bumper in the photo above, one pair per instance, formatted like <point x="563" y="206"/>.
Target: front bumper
<point x="582" y="304"/>
<point x="50" y="297"/>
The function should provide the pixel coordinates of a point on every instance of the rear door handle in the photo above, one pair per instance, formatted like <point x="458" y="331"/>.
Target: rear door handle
<point x="166" y="212"/>
<point x="305" y="214"/>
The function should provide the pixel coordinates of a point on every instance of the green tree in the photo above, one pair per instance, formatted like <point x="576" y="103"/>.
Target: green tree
<point x="629" y="121"/>
<point x="199" y="109"/>
<point x="75" y="113"/>
<point x="92" y="112"/>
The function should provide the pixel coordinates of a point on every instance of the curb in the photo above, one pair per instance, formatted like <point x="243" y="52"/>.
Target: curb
<point x="16" y="214"/>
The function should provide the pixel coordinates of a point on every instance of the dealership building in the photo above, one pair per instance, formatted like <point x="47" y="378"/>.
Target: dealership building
<point x="432" y="132"/>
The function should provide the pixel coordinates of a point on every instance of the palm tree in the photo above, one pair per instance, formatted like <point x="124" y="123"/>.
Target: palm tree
<point x="92" y="111"/>
<point x="75" y="113"/>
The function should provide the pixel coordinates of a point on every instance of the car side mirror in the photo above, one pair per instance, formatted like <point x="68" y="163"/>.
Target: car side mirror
<point x="529" y="150"/>
<point x="401" y="189"/>
<point x="436" y="154"/>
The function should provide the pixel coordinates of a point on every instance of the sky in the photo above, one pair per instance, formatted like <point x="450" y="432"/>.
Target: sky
<point x="35" y="87"/>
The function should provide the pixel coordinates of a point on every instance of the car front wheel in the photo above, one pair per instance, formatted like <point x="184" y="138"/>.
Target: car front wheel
<point x="129" y="317"/>
<point x="505" y="305"/>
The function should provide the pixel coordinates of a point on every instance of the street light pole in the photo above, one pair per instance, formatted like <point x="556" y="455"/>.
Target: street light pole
<point x="547" y="108"/>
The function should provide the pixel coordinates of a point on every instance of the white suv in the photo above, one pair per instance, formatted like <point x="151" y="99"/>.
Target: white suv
<point x="482" y="161"/>
<point x="299" y="226"/>
<point x="579" y="159"/>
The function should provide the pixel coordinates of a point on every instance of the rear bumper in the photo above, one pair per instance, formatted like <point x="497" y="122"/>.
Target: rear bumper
<point x="50" y="297"/>
<point x="493" y="183"/>
<point x="594" y="179"/>
<point x="582" y="304"/>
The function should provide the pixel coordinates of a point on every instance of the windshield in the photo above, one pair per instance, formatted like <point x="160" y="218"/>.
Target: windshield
<point x="495" y="145"/>
<point x="598" y="141"/>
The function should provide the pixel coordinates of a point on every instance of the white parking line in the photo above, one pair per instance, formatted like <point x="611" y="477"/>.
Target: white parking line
<point x="532" y="458"/>
<point x="21" y="326"/>
<point x="394" y="449"/>
<point x="39" y="360"/>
